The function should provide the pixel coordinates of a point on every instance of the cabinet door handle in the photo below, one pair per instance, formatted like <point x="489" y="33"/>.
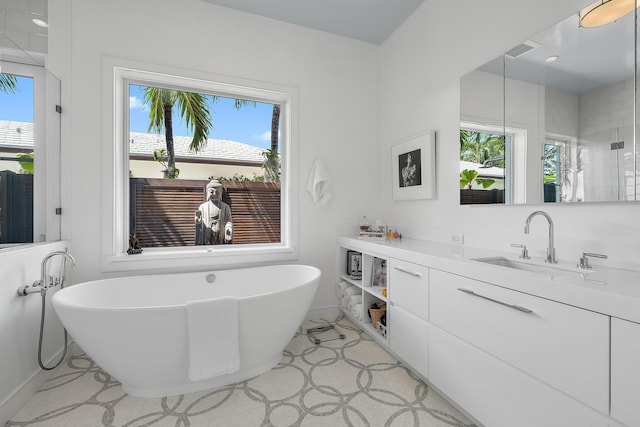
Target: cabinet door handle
<point x="514" y="306"/>
<point x="407" y="271"/>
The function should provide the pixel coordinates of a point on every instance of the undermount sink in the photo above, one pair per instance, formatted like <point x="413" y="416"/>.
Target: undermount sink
<point x="546" y="269"/>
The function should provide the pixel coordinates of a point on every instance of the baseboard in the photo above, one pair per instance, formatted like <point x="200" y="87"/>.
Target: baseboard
<point x="31" y="386"/>
<point x="323" y="313"/>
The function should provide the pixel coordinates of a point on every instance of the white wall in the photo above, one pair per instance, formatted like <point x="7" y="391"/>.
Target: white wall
<point x="20" y="324"/>
<point x="421" y="64"/>
<point x="337" y="87"/>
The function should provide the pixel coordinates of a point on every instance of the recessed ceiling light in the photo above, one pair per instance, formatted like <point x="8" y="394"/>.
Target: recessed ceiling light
<point x="551" y="59"/>
<point x="40" y="23"/>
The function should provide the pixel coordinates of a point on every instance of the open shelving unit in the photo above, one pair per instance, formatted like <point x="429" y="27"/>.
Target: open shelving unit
<point x="374" y="270"/>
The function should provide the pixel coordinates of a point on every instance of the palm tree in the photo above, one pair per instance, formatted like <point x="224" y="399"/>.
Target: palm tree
<point x="193" y="109"/>
<point x="477" y="147"/>
<point x="275" y="127"/>
<point x="8" y="83"/>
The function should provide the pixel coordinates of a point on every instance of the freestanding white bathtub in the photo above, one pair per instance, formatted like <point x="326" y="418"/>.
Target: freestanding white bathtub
<point x="135" y="328"/>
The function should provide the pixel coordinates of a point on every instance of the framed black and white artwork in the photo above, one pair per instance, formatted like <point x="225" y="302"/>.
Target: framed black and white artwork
<point x="413" y="168"/>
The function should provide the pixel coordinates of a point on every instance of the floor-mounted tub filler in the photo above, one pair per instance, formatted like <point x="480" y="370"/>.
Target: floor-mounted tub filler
<point x="169" y="334"/>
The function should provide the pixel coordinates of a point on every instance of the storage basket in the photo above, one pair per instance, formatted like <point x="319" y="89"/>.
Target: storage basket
<point x="376" y="314"/>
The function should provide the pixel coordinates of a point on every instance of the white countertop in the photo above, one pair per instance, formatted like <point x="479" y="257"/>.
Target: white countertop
<point x="610" y="291"/>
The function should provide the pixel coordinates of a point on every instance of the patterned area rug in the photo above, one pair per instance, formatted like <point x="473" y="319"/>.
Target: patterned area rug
<point x="349" y="382"/>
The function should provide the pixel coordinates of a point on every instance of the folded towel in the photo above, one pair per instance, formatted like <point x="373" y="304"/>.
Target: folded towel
<point x="214" y="347"/>
<point x="356" y="311"/>
<point x="319" y="184"/>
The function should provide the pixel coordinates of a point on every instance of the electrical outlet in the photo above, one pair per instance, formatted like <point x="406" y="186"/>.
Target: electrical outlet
<point x="457" y="238"/>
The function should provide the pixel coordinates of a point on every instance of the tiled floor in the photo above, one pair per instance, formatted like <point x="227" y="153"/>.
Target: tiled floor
<point x="350" y="382"/>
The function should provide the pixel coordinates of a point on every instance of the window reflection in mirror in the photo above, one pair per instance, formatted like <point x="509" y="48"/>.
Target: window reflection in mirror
<point x="483" y="172"/>
<point x="180" y="142"/>
<point x="576" y="112"/>
<point x="17" y="145"/>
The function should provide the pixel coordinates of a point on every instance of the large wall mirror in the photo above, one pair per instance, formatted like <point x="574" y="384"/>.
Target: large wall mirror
<point x="29" y="130"/>
<point x="552" y="120"/>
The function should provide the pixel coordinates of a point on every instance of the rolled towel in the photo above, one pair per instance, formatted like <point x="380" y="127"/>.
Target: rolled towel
<point x="353" y="300"/>
<point x="352" y="290"/>
<point x="340" y="287"/>
<point x="356" y="311"/>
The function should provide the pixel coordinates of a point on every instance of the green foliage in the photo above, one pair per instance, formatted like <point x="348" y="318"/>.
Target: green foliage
<point x="238" y="178"/>
<point x="485" y="182"/>
<point x="468" y="176"/>
<point x="27" y="163"/>
<point x="193" y="109"/>
<point x="160" y="156"/>
<point x="479" y="147"/>
<point x="551" y="163"/>
<point x="271" y="165"/>
<point x="8" y="83"/>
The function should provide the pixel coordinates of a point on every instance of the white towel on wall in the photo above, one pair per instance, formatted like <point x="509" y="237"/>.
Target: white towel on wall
<point x="214" y="346"/>
<point x="319" y="184"/>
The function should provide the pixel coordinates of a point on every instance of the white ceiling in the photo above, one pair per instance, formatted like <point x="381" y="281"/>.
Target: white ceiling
<point x="372" y="21"/>
<point x="589" y="58"/>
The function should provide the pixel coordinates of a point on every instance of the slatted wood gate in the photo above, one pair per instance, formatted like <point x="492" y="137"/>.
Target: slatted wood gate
<point x="16" y="207"/>
<point x="162" y="211"/>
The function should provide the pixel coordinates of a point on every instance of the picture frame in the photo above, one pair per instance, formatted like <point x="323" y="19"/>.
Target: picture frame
<point x="414" y="168"/>
<point x="379" y="273"/>
<point x="354" y="264"/>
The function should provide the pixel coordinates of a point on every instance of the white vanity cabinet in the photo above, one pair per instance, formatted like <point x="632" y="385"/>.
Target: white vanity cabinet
<point x="510" y="349"/>
<point x="625" y="371"/>
<point x="563" y="346"/>
<point x="409" y="313"/>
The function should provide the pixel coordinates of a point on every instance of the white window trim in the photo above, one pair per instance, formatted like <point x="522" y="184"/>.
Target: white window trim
<point x="46" y="146"/>
<point x="518" y="159"/>
<point x="117" y="74"/>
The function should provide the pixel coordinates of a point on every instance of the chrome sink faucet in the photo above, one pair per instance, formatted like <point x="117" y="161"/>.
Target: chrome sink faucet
<point x="551" y="251"/>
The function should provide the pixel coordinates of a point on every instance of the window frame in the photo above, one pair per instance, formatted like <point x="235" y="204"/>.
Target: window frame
<point x="515" y="157"/>
<point x="46" y="148"/>
<point x="117" y="75"/>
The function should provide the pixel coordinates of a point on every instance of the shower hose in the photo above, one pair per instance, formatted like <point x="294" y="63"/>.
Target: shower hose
<point x="42" y="312"/>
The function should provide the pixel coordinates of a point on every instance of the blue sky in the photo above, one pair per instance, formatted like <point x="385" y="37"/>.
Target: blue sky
<point x="18" y="107"/>
<point x="249" y="125"/>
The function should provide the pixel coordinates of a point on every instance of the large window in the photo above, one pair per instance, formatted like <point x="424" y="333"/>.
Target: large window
<point x="29" y="145"/>
<point x="203" y="169"/>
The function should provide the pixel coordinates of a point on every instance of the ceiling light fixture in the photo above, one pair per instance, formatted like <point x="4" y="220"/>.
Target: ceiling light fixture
<point x="604" y="12"/>
<point x="551" y="59"/>
<point x="40" y="23"/>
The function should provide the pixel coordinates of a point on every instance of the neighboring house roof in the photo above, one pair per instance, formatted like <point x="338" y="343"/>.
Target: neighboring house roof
<point x="19" y="135"/>
<point x="16" y="135"/>
<point x="220" y="150"/>
<point x="492" y="172"/>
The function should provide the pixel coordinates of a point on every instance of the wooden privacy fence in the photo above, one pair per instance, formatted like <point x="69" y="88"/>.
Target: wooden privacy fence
<point x="162" y="211"/>
<point x="16" y="207"/>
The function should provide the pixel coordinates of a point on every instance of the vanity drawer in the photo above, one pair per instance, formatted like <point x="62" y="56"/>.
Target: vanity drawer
<point x="409" y="287"/>
<point x="564" y="346"/>
<point x="409" y="339"/>
<point x="625" y="371"/>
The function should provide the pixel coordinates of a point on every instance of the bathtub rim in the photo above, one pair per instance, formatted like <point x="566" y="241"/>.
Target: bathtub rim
<point x="59" y="300"/>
